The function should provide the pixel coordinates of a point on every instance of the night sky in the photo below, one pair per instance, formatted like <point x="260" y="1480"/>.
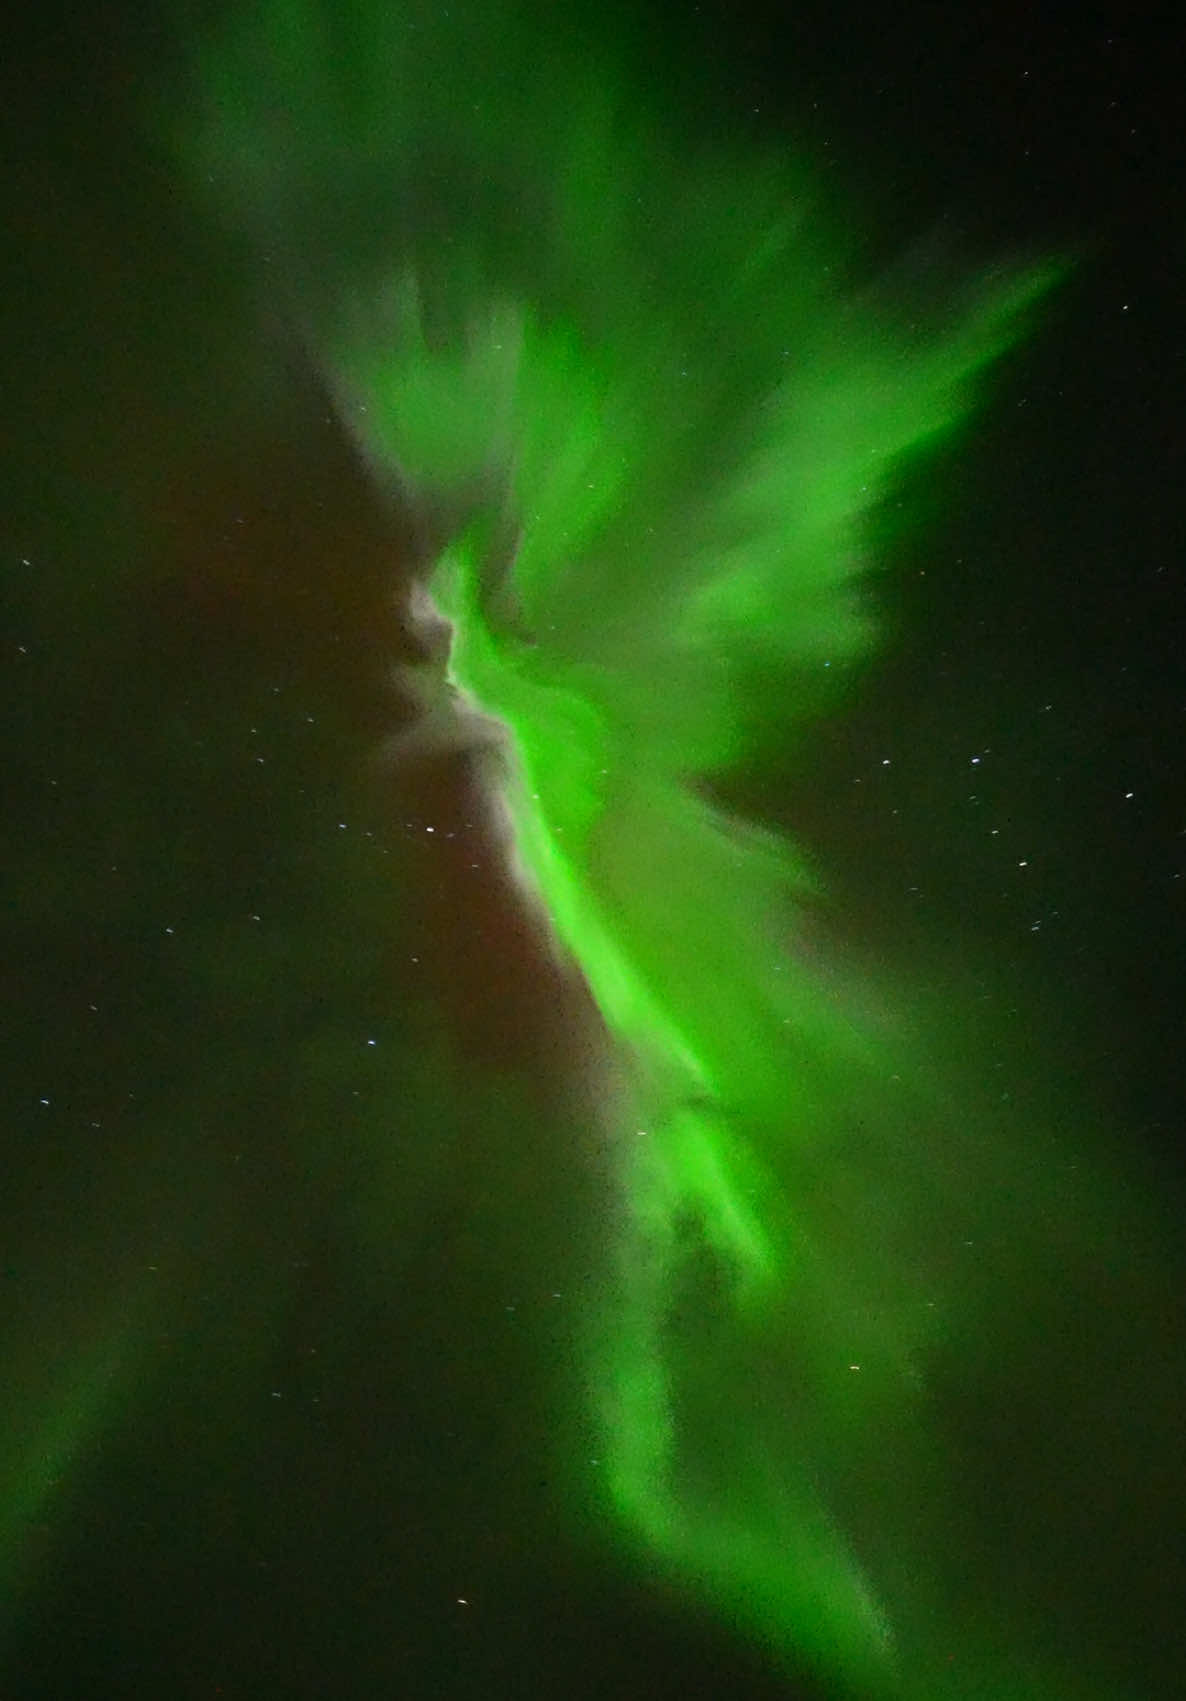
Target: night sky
<point x="298" y="1192"/>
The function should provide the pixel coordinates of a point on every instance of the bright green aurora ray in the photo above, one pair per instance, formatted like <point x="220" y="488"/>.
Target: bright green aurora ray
<point x="650" y="428"/>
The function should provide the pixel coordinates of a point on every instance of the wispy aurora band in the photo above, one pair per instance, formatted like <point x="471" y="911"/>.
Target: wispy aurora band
<point x="652" y="434"/>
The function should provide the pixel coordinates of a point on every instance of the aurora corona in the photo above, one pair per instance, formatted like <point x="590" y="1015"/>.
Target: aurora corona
<point x="649" y="421"/>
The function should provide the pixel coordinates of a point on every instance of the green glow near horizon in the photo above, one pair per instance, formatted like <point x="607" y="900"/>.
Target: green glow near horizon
<point x="656" y="423"/>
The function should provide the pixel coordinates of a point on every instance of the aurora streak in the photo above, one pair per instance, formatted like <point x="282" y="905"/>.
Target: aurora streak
<point x="650" y="422"/>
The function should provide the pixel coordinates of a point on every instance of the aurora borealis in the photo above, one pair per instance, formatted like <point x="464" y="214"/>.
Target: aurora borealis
<point x="523" y="1163"/>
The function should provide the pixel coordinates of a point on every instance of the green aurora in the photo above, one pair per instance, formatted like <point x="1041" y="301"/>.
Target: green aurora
<point x="652" y="423"/>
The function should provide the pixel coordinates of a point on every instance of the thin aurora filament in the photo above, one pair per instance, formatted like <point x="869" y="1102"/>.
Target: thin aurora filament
<point x="652" y="428"/>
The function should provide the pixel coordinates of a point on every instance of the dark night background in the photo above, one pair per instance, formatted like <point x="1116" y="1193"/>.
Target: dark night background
<point x="282" y="1374"/>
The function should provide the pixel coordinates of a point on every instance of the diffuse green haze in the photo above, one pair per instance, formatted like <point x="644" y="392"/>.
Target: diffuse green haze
<point x="649" y="423"/>
<point x="62" y="1407"/>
